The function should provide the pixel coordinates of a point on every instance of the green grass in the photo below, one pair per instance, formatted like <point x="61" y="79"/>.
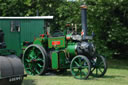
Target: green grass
<point x="117" y="74"/>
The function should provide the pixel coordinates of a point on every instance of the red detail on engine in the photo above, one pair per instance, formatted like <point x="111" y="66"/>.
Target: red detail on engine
<point x="42" y="35"/>
<point x="55" y="42"/>
<point x="47" y="33"/>
<point x="82" y="33"/>
<point x="68" y="38"/>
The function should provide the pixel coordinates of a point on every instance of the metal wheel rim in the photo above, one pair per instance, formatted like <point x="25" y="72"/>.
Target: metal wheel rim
<point x="80" y="67"/>
<point x="34" y="65"/>
<point x="99" y="67"/>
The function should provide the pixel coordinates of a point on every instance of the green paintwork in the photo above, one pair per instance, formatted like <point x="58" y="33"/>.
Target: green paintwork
<point x="41" y="41"/>
<point x="69" y="35"/>
<point x="54" y="60"/>
<point x="62" y="60"/>
<point x="60" y="39"/>
<point x="38" y="41"/>
<point x="29" y="29"/>
<point x="71" y="49"/>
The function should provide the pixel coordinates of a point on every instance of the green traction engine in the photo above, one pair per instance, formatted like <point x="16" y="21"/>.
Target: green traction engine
<point x="63" y="51"/>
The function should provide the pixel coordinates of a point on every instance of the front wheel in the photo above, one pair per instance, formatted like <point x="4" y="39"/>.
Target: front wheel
<point x="80" y="67"/>
<point x="99" y="66"/>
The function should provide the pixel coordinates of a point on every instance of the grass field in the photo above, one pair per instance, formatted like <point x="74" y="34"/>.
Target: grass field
<point x="117" y="74"/>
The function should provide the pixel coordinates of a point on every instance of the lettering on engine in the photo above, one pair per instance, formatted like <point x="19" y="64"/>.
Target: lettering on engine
<point x="15" y="79"/>
<point x="55" y="42"/>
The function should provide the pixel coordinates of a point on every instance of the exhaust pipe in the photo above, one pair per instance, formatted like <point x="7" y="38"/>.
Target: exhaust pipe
<point x="84" y="20"/>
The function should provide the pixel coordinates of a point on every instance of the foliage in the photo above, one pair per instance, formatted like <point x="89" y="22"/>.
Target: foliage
<point x="110" y="24"/>
<point x="108" y="19"/>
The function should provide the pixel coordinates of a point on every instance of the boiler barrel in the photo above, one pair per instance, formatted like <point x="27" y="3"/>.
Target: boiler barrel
<point x="11" y="70"/>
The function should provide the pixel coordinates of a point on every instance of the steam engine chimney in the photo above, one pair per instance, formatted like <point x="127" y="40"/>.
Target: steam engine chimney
<point x="84" y="20"/>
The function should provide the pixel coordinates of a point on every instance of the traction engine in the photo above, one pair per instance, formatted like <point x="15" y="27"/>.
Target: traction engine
<point x="63" y="51"/>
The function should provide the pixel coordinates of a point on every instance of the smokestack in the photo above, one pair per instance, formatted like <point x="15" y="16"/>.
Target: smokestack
<point x="84" y="20"/>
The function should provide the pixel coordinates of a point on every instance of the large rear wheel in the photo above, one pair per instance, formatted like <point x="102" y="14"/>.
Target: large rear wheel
<point x="80" y="67"/>
<point x="35" y="60"/>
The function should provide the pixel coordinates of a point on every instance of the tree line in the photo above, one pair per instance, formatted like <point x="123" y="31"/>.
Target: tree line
<point x="108" y="19"/>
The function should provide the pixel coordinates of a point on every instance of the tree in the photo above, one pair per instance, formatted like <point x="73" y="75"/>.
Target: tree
<point x="108" y="19"/>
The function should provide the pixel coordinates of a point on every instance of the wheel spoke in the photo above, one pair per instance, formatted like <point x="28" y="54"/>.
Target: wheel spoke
<point x="27" y="60"/>
<point x="33" y="71"/>
<point x="39" y="65"/>
<point x="37" y="72"/>
<point x="32" y="52"/>
<point x="40" y="60"/>
<point x="101" y="63"/>
<point x="84" y="67"/>
<point x="100" y="70"/>
<point x="80" y="74"/>
<point x="84" y="72"/>
<point x="38" y="53"/>
<point x="96" y="71"/>
<point x="75" y="67"/>
<point x="77" y="73"/>
<point x="76" y="63"/>
<point x="27" y="68"/>
<point x="29" y="72"/>
<point x="93" y="69"/>
<point x="31" y="56"/>
<point x="79" y="60"/>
